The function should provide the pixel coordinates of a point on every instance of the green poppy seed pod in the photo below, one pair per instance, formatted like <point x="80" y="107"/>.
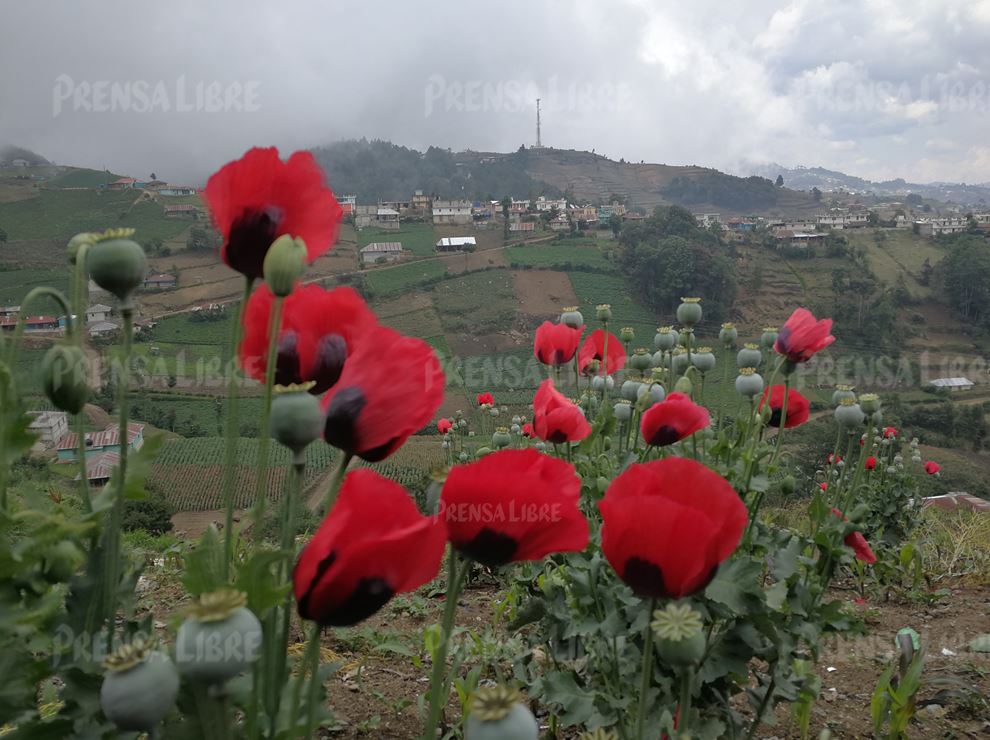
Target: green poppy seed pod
<point x="592" y="406"/>
<point x="602" y="483"/>
<point x="76" y="242"/>
<point x="749" y="356"/>
<point x="679" y="362"/>
<point x="515" y="429"/>
<point x="869" y="402"/>
<point x="607" y="443"/>
<point x="517" y="419"/>
<point x="481" y="452"/>
<point x="296" y="419"/>
<point x="665" y="339"/>
<point x="682" y="653"/>
<point x="463" y="457"/>
<point x="63" y="378"/>
<point x="501" y="438"/>
<point x="689" y="312"/>
<point x="118" y="265"/>
<point x="684" y="385"/>
<point x="627" y="334"/>
<point x="916" y="458"/>
<point x="769" y="337"/>
<point x="849" y="415"/>
<point x="749" y="383"/>
<point x="703" y="359"/>
<point x="498" y="714"/>
<point x="641" y="360"/>
<point x="216" y="647"/>
<point x="139" y="688"/>
<point x="658" y="359"/>
<point x="655" y="392"/>
<point x="788" y="484"/>
<point x="572" y="317"/>
<point x="898" y="460"/>
<point x="493" y="411"/>
<point x="284" y="264"/>
<point x="878" y="418"/>
<point x="600" y="382"/>
<point x="728" y="334"/>
<point x="623" y="410"/>
<point x="541" y="446"/>
<point x="686" y="337"/>
<point x="604" y="312"/>
<point x="630" y="390"/>
<point x="841" y="392"/>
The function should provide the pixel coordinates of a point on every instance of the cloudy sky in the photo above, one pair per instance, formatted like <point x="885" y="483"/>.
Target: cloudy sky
<point x="877" y="88"/>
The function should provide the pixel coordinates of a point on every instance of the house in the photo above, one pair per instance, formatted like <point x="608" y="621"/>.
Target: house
<point x="842" y="220"/>
<point x="387" y="218"/>
<point x="177" y="190"/>
<point x="124" y="183"/>
<point x="350" y="200"/>
<point x="40" y="323"/>
<point x="452" y="212"/>
<point x="605" y="212"/>
<point x="523" y="226"/>
<point x="396" y="205"/>
<point x="548" y="204"/>
<point x="982" y="220"/>
<point x="101" y="328"/>
<point x="155" y="185"/>
<point x="182" y="211"/>
<point x="633" y="216"/>
<point x="799" y="239"/>
<point x="365" y="216"/>
<point x="7" y="312"/>
<point x="740" y="224"/>
<point x="160" y="281"/>
<point x="19" y="163"/>
<point x="100" y="468"/>
<point x="456" y="243"/>
<point x="97" y="312"/>
<point x="560" y="223"/>
<point x="421" y="202"/>
<point x="706" y="220"/>
<point x="381" y="252"/>
<point x="933" y="227"/>
<point x="952" y="384"/>
<point x="588" y="214"/>
<point x="97" y="443"/>
<point x="957" y="500"/>
<point x="50" y="426"/>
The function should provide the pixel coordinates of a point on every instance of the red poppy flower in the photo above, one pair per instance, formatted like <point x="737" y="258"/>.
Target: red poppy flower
<point x="889" y="432"/>
<point x="803" y="335"/>
<point x="258" y="198"/>
<point x="527" y="430"/>
<point x="373" y="544"/>
<point x="668" y="524"/>
<point x="858" y="543"/>
<point x="444" y="426"/>
<point x="823" y="485"/>
<point x="932" y="467"/>
<point x="486" y="399"/>
<point x="555" y="418"/>
<point x="871" y="463"/>
<point x="320" y="329"/>
<point x="832" y="458"/>
<point x="390" y="388"/>
<point x="555" y="344"/>
<point x="673" y="419"/>
<point x="798" y="407"/>
<point x="594" y="349"/>
<point x="513" y="505"/>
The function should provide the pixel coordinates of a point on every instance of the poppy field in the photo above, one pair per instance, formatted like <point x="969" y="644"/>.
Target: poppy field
<point x="640" y="579"/>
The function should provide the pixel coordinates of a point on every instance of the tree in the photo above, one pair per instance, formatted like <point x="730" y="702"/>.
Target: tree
<point x="873" y="218"/>
<point x="153" y="515"/>
<point x="154" y="176"/>
<point x="816" y="194"/>
<point x="780" y="181"/>
<point x="506" y="205"/>
<point x="3" y="236"/>
<point x="615" y="224"/>
<point x="966" y="274"/>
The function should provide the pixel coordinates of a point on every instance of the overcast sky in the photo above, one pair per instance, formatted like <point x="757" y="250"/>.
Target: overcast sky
<point x="876" y="88"/>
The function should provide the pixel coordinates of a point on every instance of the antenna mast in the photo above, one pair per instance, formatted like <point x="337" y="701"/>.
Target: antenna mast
<point x="539" y="143"/>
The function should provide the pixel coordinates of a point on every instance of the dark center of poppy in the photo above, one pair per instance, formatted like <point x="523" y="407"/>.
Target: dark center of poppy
<point x="783" y="338"/>
<point x="558" y="436"/>
<point x="251" y="234"/>
<point x="645" y="578"/>
<point x="287" y="360"/>
<point x="774" y="417"/>
<point x="490" y="548"/>
<point x="331" y="352"/>
<point x="340" y="427"/>
<point x="665" y="435"/>
<point x="368" y="596"/>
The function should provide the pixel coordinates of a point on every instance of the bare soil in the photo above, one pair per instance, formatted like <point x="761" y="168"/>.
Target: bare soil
<point x="543" y="293"/>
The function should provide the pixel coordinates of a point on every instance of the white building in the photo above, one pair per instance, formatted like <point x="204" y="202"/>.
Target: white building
<point x="708" y="219"/>
<point x="456" y="243"/>
<point x="548" y="204"/>
<point x="842" y="220"/>
<point x="952" y="384"/>
<point x="938" y="226"/>
<point x="387" y="218"/>
<point x="377" y="251"/>
<point x="452" y="212"/>
<point x="97" y="312"/>
<point x="101" y="328"/>
<point x="50" y="426"/>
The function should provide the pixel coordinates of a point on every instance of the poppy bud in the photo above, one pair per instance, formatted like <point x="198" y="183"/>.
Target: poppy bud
<point x="658" y="360"/>
<point x="878" y="421"/>
<point x="63" y="377"/>
<point x="728" y="334"/>
<point x="788" y="484"/>
<point x="626" y="334"/>
<point x="641" y="360"/>
<point x="497" y="713"/>
<point x="870" y="403"/>
<point x="842" y="391"/>
<point x="284" y="264"/>
<point x="749" y="356"/>
<point x="599" y="382"/>
<point x="849" y="415"/>
<point x="604" y="312"/>
<point x="463" y="457"/>
<point x="623" y="410"/>
<point x="749" y="383"/>
<point x="684" y="385"/>
<point x="602" y="483"/>
<point x="117" y="264"/>
<point x="654" y="392"/>
<point x="689" y="312"/>
<point x="703" y="359"/>
<point x="630" y="390"/>
<point x="139" y="688"/>
<point x="76" y="242"/>
<point x="541" y="446"/>
<point x="296" y="417"/>
<point x="665" y="339"/>
<point x="501" y="438"/>
<point x="769" y="337"/>
<point x="482" y="451"/>
<point x="572" y="317"/>
<point x="680" y="635"/>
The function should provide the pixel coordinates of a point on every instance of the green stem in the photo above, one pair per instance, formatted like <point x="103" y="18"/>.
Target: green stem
<point x="313" y="664"/>
<point x="232" y="433"/>
<point x="684" y="709"/>
<point x="335" y="483"/>
<point x="758" y="719"/>
<point x="81" y="453"/>
<point x="779" y="442"/>
<point x="264" y="433"/>
<point x="439" y="683"/>
<point x="646" y="674"/>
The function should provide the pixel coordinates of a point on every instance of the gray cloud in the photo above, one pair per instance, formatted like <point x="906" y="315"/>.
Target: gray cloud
<point x="863" y="86"/>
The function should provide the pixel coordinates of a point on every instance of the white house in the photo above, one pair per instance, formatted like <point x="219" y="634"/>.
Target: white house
<point x="101" y="328"/>
<point x="548" y="204"/>
<point x="938" y="226"/>
<point x="841" y="220"/>
<point x="50" y="426"/>
<point x="387" y="218"/>
<point x="452" y="212"/>
<point x="456" y="243"/>
<point x="378" y="251"/>
<point x="952" y="384"/>
<point x="97" y="312"/>
<point x="177" y="190"/>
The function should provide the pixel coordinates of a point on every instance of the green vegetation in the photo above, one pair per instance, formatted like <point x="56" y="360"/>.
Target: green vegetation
<point x="192" y="416"/>
<point x="81" y="178"/>
<point x="592" y="289"/>
<point x="416" y="238"/>
<point x="15" y="284"/>
<point x="479" y="302"/>
<point x="966" y="276"/>
<point x="565" y="255"/>
<point x="724" y="191"/>
<point x="189" y="328"/>
<point x="390" y="281"/>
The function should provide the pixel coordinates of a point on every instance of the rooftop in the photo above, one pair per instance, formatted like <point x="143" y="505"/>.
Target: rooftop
<point x="382" y="247"/>
<point x="109" y="437"/>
